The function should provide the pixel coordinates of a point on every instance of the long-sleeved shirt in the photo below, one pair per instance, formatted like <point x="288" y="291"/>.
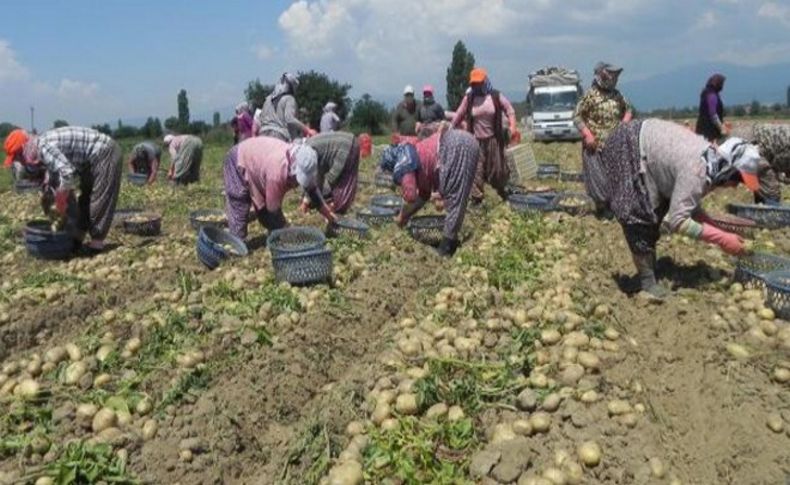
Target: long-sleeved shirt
<point x="264" y="164"/>
<point x="176" y="143"/>
<point x="329" y="122"/>
<point x="483" y="111"/>
<point x="280" y="117"/>
<point x="430" y="113"/>
<point x="424" y="181"/>
<point x="600" y="111"/>
<point x="675" y="171"/>
<point x="405" y="121"/>
<point x="244" y="125"/>
<point x="333" y="151"/>
<point x="68" y="152"/>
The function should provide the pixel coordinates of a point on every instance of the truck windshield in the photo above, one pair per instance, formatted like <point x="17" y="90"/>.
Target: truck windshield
<point x="561" y="101"/>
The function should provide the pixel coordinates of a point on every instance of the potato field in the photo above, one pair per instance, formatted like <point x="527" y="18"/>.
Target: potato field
<point x="525" y="359"/>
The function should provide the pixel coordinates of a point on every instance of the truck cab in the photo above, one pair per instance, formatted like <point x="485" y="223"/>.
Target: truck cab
<point x="552" y="101"/>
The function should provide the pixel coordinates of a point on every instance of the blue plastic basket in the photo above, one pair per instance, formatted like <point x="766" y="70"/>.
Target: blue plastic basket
<point x="377" y="216"/>
<point x="294" y="240"/>
<point x="303" y="268"/>
<point x="530" y="202"/>
<point x="548" y="171"/>
<point x="197" y="218"/>
<point x="346" y="226"/>
<point x="210" y="246"/>
<point x="42" y="243"/>
<point x="767" y="216"/>
<point x="386" y="201"/>
<point x="777" y="286"/>
<point x="751" y="270"/>
<point x="137" y="178"/>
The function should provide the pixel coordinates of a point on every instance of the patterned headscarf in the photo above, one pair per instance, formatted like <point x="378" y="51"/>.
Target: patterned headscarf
<point x="606" y="76"/>
<point x="303" y="164"/>
<point x="408" y="161"/>
<point x="287" y="85"/>
<point x="30" y="150"/>
<point x="242" y="107"/>
<point x="734" y="155"/>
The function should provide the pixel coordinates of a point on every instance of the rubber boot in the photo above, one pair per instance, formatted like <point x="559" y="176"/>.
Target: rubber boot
<point x="447" y="247"/>
<point x="646" y="267"/>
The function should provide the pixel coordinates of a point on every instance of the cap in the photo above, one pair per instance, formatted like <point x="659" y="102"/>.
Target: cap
<point x="408" y="89"/>
<point x="427" y="89"/>
<point x="478" y="75"/>
<point x="14" y="143"/>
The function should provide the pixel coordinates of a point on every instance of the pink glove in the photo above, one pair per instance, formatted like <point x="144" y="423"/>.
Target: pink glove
<point x="588" y="139"/>
<point x="61" y="201"/>
<point x="729" y="243"/>
<point x="628" y="117"/>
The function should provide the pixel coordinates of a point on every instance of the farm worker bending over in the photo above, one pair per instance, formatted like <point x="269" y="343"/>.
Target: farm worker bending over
<point x="484" y="108"/>
<point x="145" y="158"/>
<point x="338" y="167"/>
<point x="243" y="126"/>
<point x="710" y="121"/>
<point x="14" y="143"/>
<point x="186" y="153"/>
<point x="773" y="140"/>
<point x="330" y="121"/>
<point x="278" y="117"/>
<point x="259" y="171"/>
<point x="599" y="111"/>
<point x="404" y="121"/>
<point x="445" y="163"/>
<point x="660" y="171"/>
<point x="78" y="157"/>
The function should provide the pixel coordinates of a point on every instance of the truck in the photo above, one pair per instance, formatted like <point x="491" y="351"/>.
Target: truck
<point x="551" y="99"/>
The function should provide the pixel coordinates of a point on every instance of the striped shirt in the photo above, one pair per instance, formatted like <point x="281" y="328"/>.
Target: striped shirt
<point x="69" y="151"/>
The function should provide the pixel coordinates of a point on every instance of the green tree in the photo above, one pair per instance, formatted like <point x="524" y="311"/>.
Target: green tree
<point x="256" y="93"/>
<point x="458" y="74"/>
<point x="124" y="131"/>
<point x="739" y="111"/>
<point x="776" y="107"/>
<point x="369" y="116"/>
<point x="315" y="90"/>
<point x="6" y="128"/>
<point x="198" y="128"/>
<point x="172" y="124"/>
<point x="59" y="123"/>
<point x="105" y="128"/>
<point x="152" y="128"/>
<point x="216" y="121"/>
<point x="183" y="108"/>
<point x="756" y="108"/>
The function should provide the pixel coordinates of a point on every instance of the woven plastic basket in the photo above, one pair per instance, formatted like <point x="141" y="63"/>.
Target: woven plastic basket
<point x="293" y="240"/>
<point x="122" y="214"/>
<point x="304" y="268"/>
<point x="571" y="177"/>
<point x="771" y="217"/>
<point x="574" y="203"/>
<point x="26" y="186"/>
<point x="215" y="245"/>
<point x="346" y="226"/>
<point x="751" y="270"/>
<point x="386" y="201"/>
<point x="137" y="178"/>
<point x="43" y="243"/>
<point x="207" y="218"/>
<point x="427" y="229"/>
<point x="778" y="293"/>
<point x="548" y="171"/>
<point x="143" y="224"/>
<point x="734" y="224"/>
<point x="375" y="216"/>
<point x="524" y="161"/>
<point x="529" y="203"/>
<point x="384" y="180"/>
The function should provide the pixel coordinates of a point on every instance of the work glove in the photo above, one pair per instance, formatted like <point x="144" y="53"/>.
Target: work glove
<point x="588" y="139"/>
<point x="730" y="243"/>
<point x="62" y="201"/>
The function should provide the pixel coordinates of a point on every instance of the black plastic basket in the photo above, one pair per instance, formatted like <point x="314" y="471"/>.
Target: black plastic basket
<point x="44" y="243"/>
<point x="777" y="286"/>
<point x="771" y="217"/>
<point x="121" y="215"/>
<point x="149" y="225"/>
<point x="427" y="229"/>
<point x="751" y="270"/>
<point x="137" y="179"/>
<point x="303" y="268"/>
<point x="211" y="246"/>
<point x="24" y="186"/>
<point x="571" y="177"/>
<point x="386" y="201"/>
<point x="346" y="226"/>
<point x="548" y="171"/>
<point x="292" y="240"/>
<point x="375" y="216"/>
<point x="198" y="218"/>
<point x="734" y="224"/>
<point x="574" y="203"/>
<point x="530" y="203"/>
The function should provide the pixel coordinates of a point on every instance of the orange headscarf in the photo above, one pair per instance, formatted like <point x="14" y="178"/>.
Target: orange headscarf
<point x="14" y="143"/>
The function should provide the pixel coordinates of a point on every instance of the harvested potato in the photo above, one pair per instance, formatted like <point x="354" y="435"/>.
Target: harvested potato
<point x="590" y="453"/>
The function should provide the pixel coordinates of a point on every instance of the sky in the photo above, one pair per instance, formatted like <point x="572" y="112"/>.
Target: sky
<point x="90" y="61"/>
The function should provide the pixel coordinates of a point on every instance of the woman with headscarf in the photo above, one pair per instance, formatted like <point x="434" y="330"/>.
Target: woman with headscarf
<point x="445" y="164"/>
<point x="660" y="171"/>
<point x="76" y="157"/>
<point x="598" y="112"/>
<point x="145" y="158"/>
<point x="278" y="117"/>
<point x="259" y="172"/>
<point x="186" y="155"/>
<point x="338" y="168"/>
<point x="243" y="122"/>
<point x="484" y="109"/>
<point x="710" y="121"/>
<point x="330" y="121"/>
<point x="773" y="141"/>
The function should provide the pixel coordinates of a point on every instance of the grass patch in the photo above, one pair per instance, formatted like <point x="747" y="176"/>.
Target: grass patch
<point x="82" y="463"/>
<point x="194" y="380"/>
<point x="312" y="453"/>
<point x="45" y="278"/>
<point x="24" y="426"/>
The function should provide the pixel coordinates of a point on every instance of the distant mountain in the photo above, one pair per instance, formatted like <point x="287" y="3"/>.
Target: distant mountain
<point x="681" y="87"/>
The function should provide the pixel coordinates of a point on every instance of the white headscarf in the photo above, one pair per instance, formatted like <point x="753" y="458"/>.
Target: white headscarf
<point x="168" y="139"/>
<point x="242" y="107"/>
<point x="303" y="164"/>
<point x="330" y="106"/>
<point x="287" y="85"/>
<point x="734" y="154"/>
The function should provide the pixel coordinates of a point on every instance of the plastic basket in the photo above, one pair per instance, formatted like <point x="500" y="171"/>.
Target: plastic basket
<point x="138" y="179"/>
<point x="574" y="203"/>
<point x="26" y="186"/>
<point x="121" y="214"/>
<point x="523" y="160"/>
<point x="777" y="286"/>
<point x="427" y="229"/>
<point x="293" y="240"/>
<point x="548" y="171"/>
<point x="771" y="217"/>
<point x="346" y="226"/>
<point x="529" y="203"/>
<point x="571" y="177"/>
<point x="43" y="243"/>
<point x="384" y="180"/>
<point x="199" y="218"/>
<point x="734" y="224"/>
<point x="386" y="201"/>
<point x="211" y="246"/>
<point x="752" y="269"/>
<point x="304" y="268"/>
<point x="377" y="216"/>
<point x="150" y="224"/>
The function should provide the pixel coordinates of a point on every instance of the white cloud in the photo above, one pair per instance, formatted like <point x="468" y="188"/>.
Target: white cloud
<point x="70" y="89"/>
<point x="776" y="11"/>
<point x="10" y="68"/>
<point x="707" y="20"/>
<point x="263" y="52"/>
